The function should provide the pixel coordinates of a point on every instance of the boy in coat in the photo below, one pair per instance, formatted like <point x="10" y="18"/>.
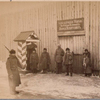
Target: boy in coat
<point x="59" y="58"/>
<point x="86" y="65"/>
<point x="12" y="65"/>
<point x="45" y="60"/>
<point x="34" y="60"/>
<point x="68" y="61"/>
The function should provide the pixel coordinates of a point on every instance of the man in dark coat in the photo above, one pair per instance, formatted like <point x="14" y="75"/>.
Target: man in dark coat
<point x="59" y="58"/>
<point x="86" y="65"/>
<point x="34" y="60"/>
<point x="68" y="61"/>
<point x="12" y="65"/>
<point x="45" y="60"/>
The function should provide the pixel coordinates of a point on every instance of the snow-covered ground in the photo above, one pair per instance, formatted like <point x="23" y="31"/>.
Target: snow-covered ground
<point x="51" y="86"/>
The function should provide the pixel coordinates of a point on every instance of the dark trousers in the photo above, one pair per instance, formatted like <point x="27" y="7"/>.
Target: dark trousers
<point x="59" y="68"/>
<point x="69" y="69"/>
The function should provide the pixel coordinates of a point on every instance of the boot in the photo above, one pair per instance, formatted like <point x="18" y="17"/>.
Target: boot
<point x="71" y="74"/>
<point x="67" y="74"/>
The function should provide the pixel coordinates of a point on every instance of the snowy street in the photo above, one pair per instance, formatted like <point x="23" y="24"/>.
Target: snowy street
<point x="51" y="86"/>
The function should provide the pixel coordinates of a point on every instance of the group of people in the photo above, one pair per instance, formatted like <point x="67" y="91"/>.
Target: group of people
<point x="61" y="58"/>
<point x="45" y="60"/>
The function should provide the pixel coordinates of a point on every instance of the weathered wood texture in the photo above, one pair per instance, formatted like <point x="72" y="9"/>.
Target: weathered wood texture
<point x="43" y="20"/>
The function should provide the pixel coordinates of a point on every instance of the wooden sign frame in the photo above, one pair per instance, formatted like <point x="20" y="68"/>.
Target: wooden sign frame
<point x="70" y="27"/>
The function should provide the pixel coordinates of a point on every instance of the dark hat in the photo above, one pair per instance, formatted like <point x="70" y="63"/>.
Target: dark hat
<point x="67" y="49"/>
<point x="86" y="49"/>
<point x="12" y="51"/>
<point x="45" y="49"/>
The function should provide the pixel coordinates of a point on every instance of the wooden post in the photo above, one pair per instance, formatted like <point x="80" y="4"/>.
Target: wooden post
<point x="24" y="52"/>
<point x="19" y="54"/>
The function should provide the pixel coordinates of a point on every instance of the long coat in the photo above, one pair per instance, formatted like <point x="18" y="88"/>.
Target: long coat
<point x="59" y="55"/>
<point x="44" y="60"/>
<point x="68" y="58"/>
<point x="12" y="65"/>
<point x="87" y="67"/>
<point x="34" y="59"/>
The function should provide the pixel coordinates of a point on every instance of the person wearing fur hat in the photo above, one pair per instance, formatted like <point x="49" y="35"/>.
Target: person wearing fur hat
<point x="12" y="65"/>
<point x="34" y="60"/>
<point x="45" y="61"/>
<point x="68" y="61"/>
<point x="59" y="58"/>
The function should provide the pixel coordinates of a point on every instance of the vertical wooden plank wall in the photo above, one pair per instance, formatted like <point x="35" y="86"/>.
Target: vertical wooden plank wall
<point x="94" y="33"/>
<point x="99" y="35"/>
<point x="71" y="10"/>
<point x="43" y="20"/>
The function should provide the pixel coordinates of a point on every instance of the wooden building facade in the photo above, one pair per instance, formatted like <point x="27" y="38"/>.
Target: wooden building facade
<point x="43" y="20"/>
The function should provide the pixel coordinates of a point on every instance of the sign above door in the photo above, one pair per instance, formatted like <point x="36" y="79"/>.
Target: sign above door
<point x="70" y="27"/>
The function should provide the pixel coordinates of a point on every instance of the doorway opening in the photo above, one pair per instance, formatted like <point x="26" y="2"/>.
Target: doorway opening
<point x="30" y="47"/>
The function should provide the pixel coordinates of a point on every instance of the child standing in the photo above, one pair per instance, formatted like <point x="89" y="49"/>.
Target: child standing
<point x="68" y="61"/>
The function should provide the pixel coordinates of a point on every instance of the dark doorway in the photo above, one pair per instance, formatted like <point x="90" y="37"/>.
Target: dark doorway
<point x="30" y="48"/>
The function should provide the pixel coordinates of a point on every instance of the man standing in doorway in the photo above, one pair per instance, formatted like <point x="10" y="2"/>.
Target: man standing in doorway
<point x="59" y="58"/>
<point x="34" y="60"/>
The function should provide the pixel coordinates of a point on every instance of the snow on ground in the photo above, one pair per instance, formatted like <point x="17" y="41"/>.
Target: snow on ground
<point x="50" y="85"/>
<point x="62" y="86"/>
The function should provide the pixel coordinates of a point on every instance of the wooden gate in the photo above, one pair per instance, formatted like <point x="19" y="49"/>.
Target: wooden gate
<point x="77" y="65"/>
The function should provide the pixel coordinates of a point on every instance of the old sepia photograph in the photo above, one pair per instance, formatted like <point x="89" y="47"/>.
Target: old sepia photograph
<point x="49" y="49"/>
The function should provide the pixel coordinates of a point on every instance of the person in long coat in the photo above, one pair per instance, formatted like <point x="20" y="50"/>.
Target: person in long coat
<point x="12" y="65"/>
<point x="86" y="65"/>
<point x="45" y="60"/>
<point x="59" y="53"/>
<point x="34" y="60"/>
<point x="68" y="61"/>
